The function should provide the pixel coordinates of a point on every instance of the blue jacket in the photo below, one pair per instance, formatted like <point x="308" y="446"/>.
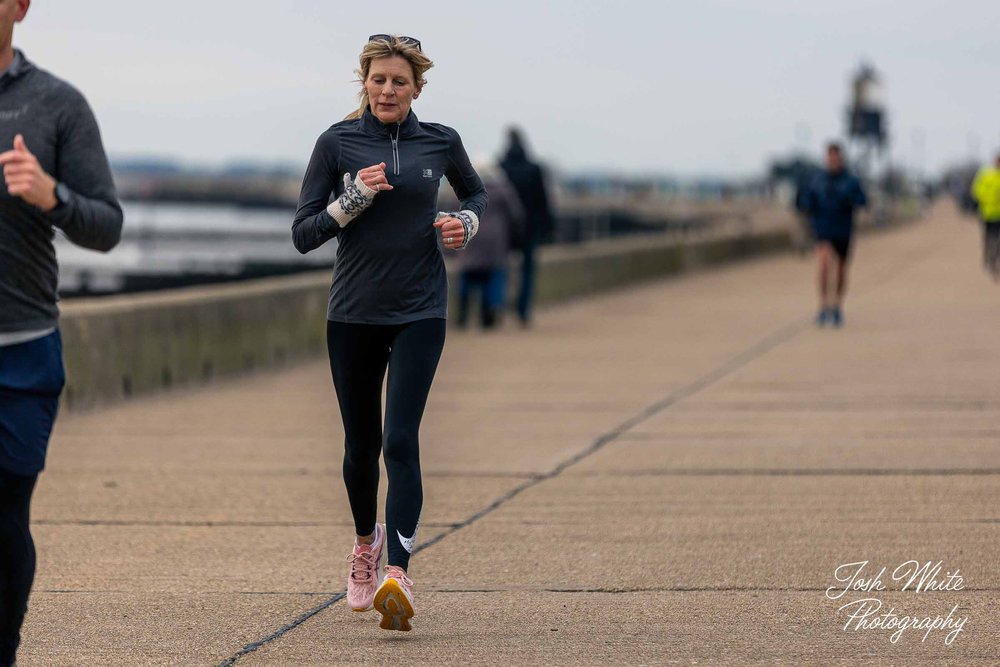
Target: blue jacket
<point x="390" y="269"/>
<point x="830" y="200"/>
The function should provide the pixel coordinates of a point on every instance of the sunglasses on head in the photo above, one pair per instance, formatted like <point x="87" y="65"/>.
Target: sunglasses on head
<point x="403" y="38"/>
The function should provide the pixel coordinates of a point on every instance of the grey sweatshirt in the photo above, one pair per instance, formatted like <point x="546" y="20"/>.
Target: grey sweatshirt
<point x="60" y="129"/>
<point x="502" y="221"/>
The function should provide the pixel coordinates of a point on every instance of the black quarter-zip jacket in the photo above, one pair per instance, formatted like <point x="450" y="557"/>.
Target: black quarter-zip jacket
<point x="390" y="268"/>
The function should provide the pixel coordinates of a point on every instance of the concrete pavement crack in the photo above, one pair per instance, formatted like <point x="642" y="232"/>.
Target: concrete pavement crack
<point x="205" y="524"/>
<point x="795" y="472"/>
<point x="750" y="354"/>
<point x="663" y="589"/>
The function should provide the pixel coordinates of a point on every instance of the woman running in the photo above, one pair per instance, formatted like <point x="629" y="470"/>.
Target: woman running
<point x="372" y="183"/>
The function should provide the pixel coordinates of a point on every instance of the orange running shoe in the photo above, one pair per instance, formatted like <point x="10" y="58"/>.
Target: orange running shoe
<point x="394" y="600"/>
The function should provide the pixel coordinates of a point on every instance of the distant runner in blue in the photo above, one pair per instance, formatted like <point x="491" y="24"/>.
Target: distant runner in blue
<point x="830" y="200"/>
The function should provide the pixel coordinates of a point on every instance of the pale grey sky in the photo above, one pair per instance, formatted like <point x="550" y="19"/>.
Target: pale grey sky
<point x="707" y="87"/>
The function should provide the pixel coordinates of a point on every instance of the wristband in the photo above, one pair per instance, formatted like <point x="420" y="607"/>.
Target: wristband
<point x="356" y="199"/>
<point x="469" y="220"/>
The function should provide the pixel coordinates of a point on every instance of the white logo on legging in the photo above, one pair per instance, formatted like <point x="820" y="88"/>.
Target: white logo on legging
<point x="407" y="542"/>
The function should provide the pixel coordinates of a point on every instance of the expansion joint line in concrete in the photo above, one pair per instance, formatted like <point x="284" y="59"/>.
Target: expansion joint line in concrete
<point x="802" y="472"/>
<point x="734" y="364"/>
<point x="750" y="354"/>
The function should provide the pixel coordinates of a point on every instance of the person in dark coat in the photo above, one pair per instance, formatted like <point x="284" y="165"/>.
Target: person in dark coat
<point x="528" y="180"/>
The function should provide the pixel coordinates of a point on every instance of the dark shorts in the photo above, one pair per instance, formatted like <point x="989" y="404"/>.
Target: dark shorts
<point x="31" y="379"/>
<point x="991" y="246"/>
<point x="841" y="245"/>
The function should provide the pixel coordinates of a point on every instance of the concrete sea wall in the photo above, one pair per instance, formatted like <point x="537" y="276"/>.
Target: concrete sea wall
<point x="120" y="347"/>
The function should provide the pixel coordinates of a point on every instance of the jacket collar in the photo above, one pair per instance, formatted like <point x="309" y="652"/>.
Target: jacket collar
<point x="372" y="125"/>
<point x="18" y="66"/>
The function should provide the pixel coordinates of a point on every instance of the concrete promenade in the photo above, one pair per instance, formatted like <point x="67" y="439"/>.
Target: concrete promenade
<point x="668" y="474"/>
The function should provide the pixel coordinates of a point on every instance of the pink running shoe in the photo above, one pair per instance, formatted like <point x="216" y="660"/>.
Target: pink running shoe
<point x="394" y="600"/>
<point x="364" y="576"/>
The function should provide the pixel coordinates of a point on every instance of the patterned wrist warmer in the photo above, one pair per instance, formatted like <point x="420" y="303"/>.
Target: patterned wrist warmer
<point x="356" y="198"/>
<point x="470" y="222"/>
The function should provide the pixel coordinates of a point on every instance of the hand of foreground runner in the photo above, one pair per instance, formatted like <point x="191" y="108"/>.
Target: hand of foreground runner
<point x="25" y="177"/>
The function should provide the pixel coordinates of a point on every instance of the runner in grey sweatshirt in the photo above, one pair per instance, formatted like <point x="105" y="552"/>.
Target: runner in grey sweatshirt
<point x="59" y="129"/>
<point x="56" y="176"/>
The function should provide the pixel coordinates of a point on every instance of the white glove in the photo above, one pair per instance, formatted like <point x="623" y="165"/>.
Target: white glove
<point x="356" y="199"/>
<point x="469" y="219"/>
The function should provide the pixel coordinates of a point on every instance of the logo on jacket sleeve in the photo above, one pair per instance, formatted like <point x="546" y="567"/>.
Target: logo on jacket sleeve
<point x="428" y="173"/>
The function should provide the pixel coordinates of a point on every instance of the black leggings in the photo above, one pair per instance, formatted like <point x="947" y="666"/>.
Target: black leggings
<point x="17" y="560"/>
<point x="359" y="356"/>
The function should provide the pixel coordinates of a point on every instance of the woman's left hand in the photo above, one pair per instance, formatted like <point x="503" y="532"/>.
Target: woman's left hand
<point x="452" y="232"/>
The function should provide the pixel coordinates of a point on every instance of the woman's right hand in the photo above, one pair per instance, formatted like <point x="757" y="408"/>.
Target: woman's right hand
<point x="374" y="177"/>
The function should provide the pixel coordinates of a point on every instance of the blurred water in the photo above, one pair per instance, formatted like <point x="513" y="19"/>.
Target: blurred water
<point x="174" y="244"/>
<point x="166" y="245"/>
